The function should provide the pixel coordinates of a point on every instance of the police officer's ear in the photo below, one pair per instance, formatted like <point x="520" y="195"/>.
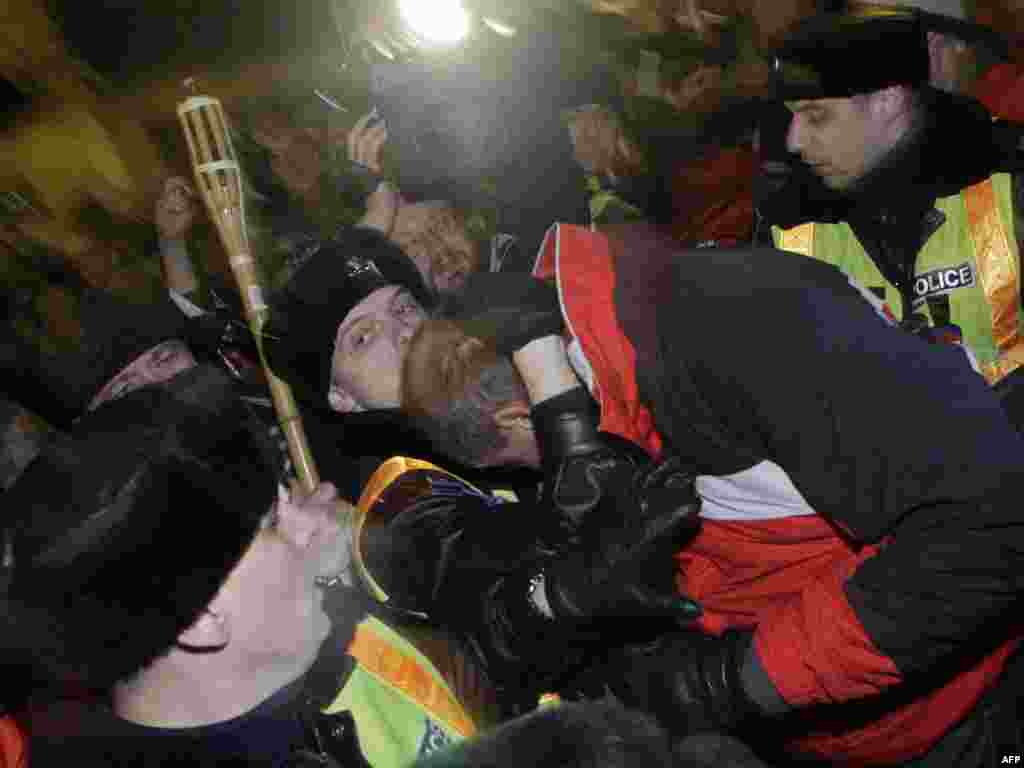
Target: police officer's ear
<point x="209" y="633"/>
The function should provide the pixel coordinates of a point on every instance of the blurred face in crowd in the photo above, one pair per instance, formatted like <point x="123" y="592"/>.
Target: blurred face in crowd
<point x="156" y="364"/>
<point x="271" y="601"/>
<point x="433" y="235"/>
<point x="298" y="165"/>
<point x="599" y="143"/>
<point x="841" y="139"/>
<point x="371" y="344"/>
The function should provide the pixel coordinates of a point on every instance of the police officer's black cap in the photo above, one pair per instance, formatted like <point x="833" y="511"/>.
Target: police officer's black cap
<point x="838" y="55"/>
<point x="298" y="338"/>
<point x="118" y="537"/>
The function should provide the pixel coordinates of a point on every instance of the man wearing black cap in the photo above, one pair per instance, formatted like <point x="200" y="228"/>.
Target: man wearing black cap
<point x="919" y="195"/>
<point x="158" y="554"/>
<point x="119" y="346"/>
<point x="337" y="330"/>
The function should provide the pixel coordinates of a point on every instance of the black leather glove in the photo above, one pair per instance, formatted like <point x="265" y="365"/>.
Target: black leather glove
<point x="688" y="680"/>
<point x="623" y="564"/>
<point x="580" y="464"/>
<point x="471" y="565"/>
<point x="507" y="309"/>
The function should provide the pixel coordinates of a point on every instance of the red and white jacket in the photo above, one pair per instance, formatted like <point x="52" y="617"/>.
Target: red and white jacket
<point x="764" y="558"/>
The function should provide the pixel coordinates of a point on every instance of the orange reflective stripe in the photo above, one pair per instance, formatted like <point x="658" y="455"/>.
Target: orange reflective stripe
<point x="999" y="276"/>
<point x="385" y="475"/>
<point x="798" y="239"/>
<point x="405" y="673"/>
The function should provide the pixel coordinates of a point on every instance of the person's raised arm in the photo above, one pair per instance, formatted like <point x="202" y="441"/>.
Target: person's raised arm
<point x="364" y="143"/>
<point x="174" y="215"/>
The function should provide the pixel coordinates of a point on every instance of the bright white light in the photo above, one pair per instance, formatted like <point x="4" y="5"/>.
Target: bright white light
<point x="436" y="21"/>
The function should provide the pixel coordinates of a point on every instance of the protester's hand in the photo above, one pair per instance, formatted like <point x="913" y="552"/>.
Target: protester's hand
<point x="175" y="209"/>
<point x="366" y="139"/>
<point x="622" y="565"/>
<point x="507" y="309"/>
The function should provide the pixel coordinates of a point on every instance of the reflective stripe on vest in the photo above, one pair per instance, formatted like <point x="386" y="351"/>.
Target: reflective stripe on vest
<point x="384" y="476"/>
<point x="404" y="670"/>
<point x="981" y="220"/>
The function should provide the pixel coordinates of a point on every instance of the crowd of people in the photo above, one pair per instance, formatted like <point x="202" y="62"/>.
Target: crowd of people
<point x="733" y="489"/>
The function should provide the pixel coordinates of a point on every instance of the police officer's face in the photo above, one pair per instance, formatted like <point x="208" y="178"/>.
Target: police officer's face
<point x="370" y="348"/>
<point x="841" y="139"/>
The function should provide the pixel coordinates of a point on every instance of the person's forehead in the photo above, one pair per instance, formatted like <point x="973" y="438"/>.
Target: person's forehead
<point x="376" y="303"/>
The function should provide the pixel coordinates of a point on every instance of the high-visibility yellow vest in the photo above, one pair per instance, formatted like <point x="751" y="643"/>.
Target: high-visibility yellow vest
<point x="972" y="259"/>
<point x="412" y="690"/>
<point x="402" y="706"/>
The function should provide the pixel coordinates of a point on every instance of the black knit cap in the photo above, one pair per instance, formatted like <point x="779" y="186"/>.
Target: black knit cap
<point x="298" y="337"/>
<point x="118" y="536"/>
<point x="113" y="334"/>
<point x="838" y="55"/>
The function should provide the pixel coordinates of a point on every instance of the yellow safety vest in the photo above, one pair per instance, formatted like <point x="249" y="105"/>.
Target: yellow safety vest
<point x="402" y="706"/>
<point x="399" y="697"/>
<point x="972" y="258"/>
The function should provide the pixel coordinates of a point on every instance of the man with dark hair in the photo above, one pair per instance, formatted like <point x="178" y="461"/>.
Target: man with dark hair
<point x="856" y="566"/>
<point x="918" y="190"/>
<point x="140" y="556"/>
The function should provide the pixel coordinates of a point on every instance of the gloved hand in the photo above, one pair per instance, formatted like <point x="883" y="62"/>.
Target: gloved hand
<point x="615" y="586"/>
<point x="623" y="565"/>
<point x="580" y="464"/>
<point x="688" y="680"/>
<point x="508" y="310"/>
<point x="470" y="565"/>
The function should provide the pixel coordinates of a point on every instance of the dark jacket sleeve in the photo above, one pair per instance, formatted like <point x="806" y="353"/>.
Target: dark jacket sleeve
<point x="899" y="443"/>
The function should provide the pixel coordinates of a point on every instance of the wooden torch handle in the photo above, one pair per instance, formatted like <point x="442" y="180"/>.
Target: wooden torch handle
<point x="218" y="181"/>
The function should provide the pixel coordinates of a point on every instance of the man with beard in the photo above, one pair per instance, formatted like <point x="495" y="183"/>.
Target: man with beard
<point x="920" y="198"/>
